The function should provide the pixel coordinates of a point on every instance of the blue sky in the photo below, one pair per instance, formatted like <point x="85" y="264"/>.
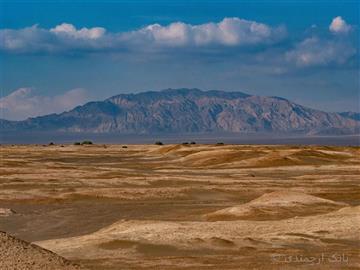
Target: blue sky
<point x="59" y="53"/>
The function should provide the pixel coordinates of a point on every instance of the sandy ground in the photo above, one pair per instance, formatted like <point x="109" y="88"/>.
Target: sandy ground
<point x="20" y="255"/>
<point x="186" y="206"/>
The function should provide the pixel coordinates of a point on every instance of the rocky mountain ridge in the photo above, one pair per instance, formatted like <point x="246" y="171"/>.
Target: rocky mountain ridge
<point x="190" y="111"/>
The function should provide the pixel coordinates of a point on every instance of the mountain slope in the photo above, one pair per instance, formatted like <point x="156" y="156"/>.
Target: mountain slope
<point x="190" y="110"/>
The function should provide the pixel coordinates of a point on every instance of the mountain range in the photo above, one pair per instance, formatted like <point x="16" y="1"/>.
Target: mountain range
<point x="191" y="111"/>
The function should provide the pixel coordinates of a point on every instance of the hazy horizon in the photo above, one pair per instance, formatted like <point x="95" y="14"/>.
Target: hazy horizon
<point x="307" y="52"/>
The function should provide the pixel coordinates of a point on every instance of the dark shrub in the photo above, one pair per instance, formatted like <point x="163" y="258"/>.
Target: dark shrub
<point x="124" y="146"/>
<point x="77" y="143"/>
<point x="220" y="143"/>
<point x="193" y="143"/>
<point x="185" y="143"/>
<point x="159" y="143"/>
<point x="87" y="142"/>
<point x="51" y="143"/>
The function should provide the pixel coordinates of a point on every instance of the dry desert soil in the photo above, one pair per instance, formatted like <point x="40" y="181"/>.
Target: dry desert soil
<point x="179" y="207"/>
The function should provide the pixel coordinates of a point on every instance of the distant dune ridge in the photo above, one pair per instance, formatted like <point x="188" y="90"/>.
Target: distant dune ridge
<point x="191" y="111"/>
<point x="277" y="205"/>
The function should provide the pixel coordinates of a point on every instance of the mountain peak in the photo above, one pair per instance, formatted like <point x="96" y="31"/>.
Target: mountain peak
<point x="179" y="92"/>
<point x="186" y="110"/>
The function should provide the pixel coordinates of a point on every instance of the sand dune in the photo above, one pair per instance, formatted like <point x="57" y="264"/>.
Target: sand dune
<point x="218" y="157"/>
<point x="277" y="205"/>
<point x="248" y="156"/>
<point x="168" y="238"/>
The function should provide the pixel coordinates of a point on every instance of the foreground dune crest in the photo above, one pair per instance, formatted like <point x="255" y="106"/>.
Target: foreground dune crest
<point x="18" y="254"/>
<point x="341" y="224"/>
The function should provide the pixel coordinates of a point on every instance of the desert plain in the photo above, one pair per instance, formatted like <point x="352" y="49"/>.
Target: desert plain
<point x="179" y="206"/>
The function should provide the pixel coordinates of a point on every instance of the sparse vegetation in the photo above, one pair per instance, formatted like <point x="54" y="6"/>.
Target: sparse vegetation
<point x="220" y="143"/>
<point x="51" y="143"/>
<point x="187" y="143"/>
<point x="124" y="146"/>
<point x="83" y="143"/>
<point x="158" y="143"/>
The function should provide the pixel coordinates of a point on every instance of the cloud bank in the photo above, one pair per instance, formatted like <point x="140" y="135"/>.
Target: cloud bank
<point x="24" y="103"/>
<point x="65" y="37"/>
<point x="231" y="35"/>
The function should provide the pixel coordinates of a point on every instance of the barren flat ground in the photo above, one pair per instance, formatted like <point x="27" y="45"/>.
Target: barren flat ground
<point x="180" y="207"/>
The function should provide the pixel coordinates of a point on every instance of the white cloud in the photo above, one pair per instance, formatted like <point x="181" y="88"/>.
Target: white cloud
<point x="84" y="33"/>
<point x="66" y="37"/>
<point x="316" y="52"/>
<point x="26" y="39"/>
<point x="62" y="38"/>
<point x="228" y="32"/>
<point x="339" y="26"/>
<point x="24" y="103"/>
